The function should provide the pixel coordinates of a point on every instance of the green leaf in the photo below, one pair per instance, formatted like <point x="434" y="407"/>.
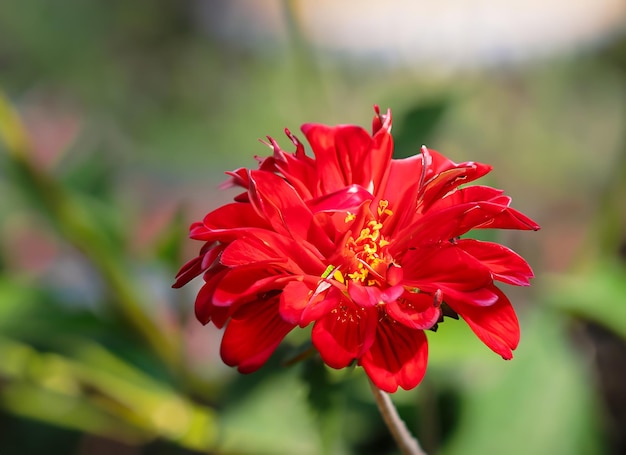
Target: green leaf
<point x="417" y="126"/>
<point x="272" y="419"/>
<point x="326" y="399"/>
<point x="597" y="295"/>
<point x="97" y="392"/>
<point x="539" y="403"/>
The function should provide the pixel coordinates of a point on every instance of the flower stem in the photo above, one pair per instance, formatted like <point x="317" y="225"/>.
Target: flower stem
<point x="406" y="442"/>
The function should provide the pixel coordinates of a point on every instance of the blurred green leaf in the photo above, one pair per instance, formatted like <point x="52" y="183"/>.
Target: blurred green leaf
<point x="327" y="401"/>
<point x="542" y="402"/>
<point x="169" y="244"/>
<point x="76" y="222"/>
<point x="27" y="400"/>
<point x="97" y="392"/>
<point x="91" y="172"/>
<point x="273" y="419"/>
<point x="417" y="126"/>
<point x="597" y="295"/>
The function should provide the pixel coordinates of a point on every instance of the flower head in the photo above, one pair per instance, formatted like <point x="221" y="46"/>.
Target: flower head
<point x="367" y="248"/>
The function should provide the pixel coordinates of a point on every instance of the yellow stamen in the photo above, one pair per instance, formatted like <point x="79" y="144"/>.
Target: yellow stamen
<point x="368" y="249"/>
<point x="382" y="208"/>
<point x="339" y="276"/>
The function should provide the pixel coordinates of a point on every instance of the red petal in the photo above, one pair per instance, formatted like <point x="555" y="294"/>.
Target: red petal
<point x="205" y="260"/>
<point x="343" y="155"/>
<point x="250" y="250"/>
<point x="417" y="311"/>
<point x="401" y="186"/>
<point x="478" y="297"/>
<point x="397" y="358"/>
<point x="344" y="334"/>
<point x="510" y="219"/>
<point x="188" y="272"/>
<point x="252" y="335"/>
<point x="353" y="146"/>
<point x="232" y="216"/>
<point x="447" y="180"/>
<point x="369" y="296"/>
<point x="455" y="221"/>
<point x="241" y="283"/>
<point x="381" y="121"/>
<point x="293" y="300"/>
<point x="382" y="151"/>
<point x="322" y="140"/>
<point x="348" y="198"/>
<point x="238" y="177"/>
<point x="297" y="168"/>
<point x="320" y="305"/>
<point x="285" y="210"/>
<point x="495" y="325"/>
<point x="505" y="265"/>
<point x="204" y="308"/>
<point x="444" y="266"/>
<point x="299" y="304"/>
<point x="262" y="246"/>
<point x="474" y="193"/>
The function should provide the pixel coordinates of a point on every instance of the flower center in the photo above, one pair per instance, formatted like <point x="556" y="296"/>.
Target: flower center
<point x="370" y="257"/>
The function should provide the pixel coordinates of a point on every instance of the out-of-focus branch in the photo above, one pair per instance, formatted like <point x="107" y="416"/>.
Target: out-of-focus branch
<point x="79" y="229"/>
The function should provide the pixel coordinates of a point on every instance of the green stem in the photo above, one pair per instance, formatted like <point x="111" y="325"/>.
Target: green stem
<point x="77" y="227"/>
<point x="406" y="442"/>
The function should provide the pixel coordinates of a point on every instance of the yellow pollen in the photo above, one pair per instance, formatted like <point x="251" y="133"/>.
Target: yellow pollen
<point x="338" y="276"/>
<point x="382" y="208"/>
<point x="368" y="248"/>
<point x="359" y="275"/>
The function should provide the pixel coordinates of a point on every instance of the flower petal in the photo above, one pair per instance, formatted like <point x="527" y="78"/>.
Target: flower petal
<point x="227" y="222"/>
<point x="253" y="334"/>
<point x="495" y="325"/>
<point x="369" y="296"/>
<point x="321" y="304"/>
<point x="208" y="255"/>
<point x="343" y="155"/>
<point x="455" y="221"/>
<point x="299" y="304"/>
<point x="397" y="358"/>
<point x="267" y="247"/>
<point x="297" y="168"/>
<point x="445" y="267"/>
<point x="243" y="282"/>
<point x="347" y="198"/>
<point x="344" y="334"/>
<point x="505" y="265"/>
<point x="448" y="175"/>
<point x="402" y="197"/>
<point x="204" y="308"/>
<point x="285" y="210"/>
<point x="416" y="311"/>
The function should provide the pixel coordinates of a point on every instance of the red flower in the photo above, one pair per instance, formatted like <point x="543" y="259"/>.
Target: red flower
<point x="365" y="247"/>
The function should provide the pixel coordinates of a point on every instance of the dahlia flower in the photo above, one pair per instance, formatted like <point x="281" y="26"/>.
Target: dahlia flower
<point x="370" y="250"/>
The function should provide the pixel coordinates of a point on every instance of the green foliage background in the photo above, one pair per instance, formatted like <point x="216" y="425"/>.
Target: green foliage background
<point x="117" y="122"/>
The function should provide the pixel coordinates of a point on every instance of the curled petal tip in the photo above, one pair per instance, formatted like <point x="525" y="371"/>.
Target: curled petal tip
<point x="381" y="121"/>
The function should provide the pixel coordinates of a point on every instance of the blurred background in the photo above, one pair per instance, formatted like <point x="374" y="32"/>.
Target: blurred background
<point x="117" y="122"/>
